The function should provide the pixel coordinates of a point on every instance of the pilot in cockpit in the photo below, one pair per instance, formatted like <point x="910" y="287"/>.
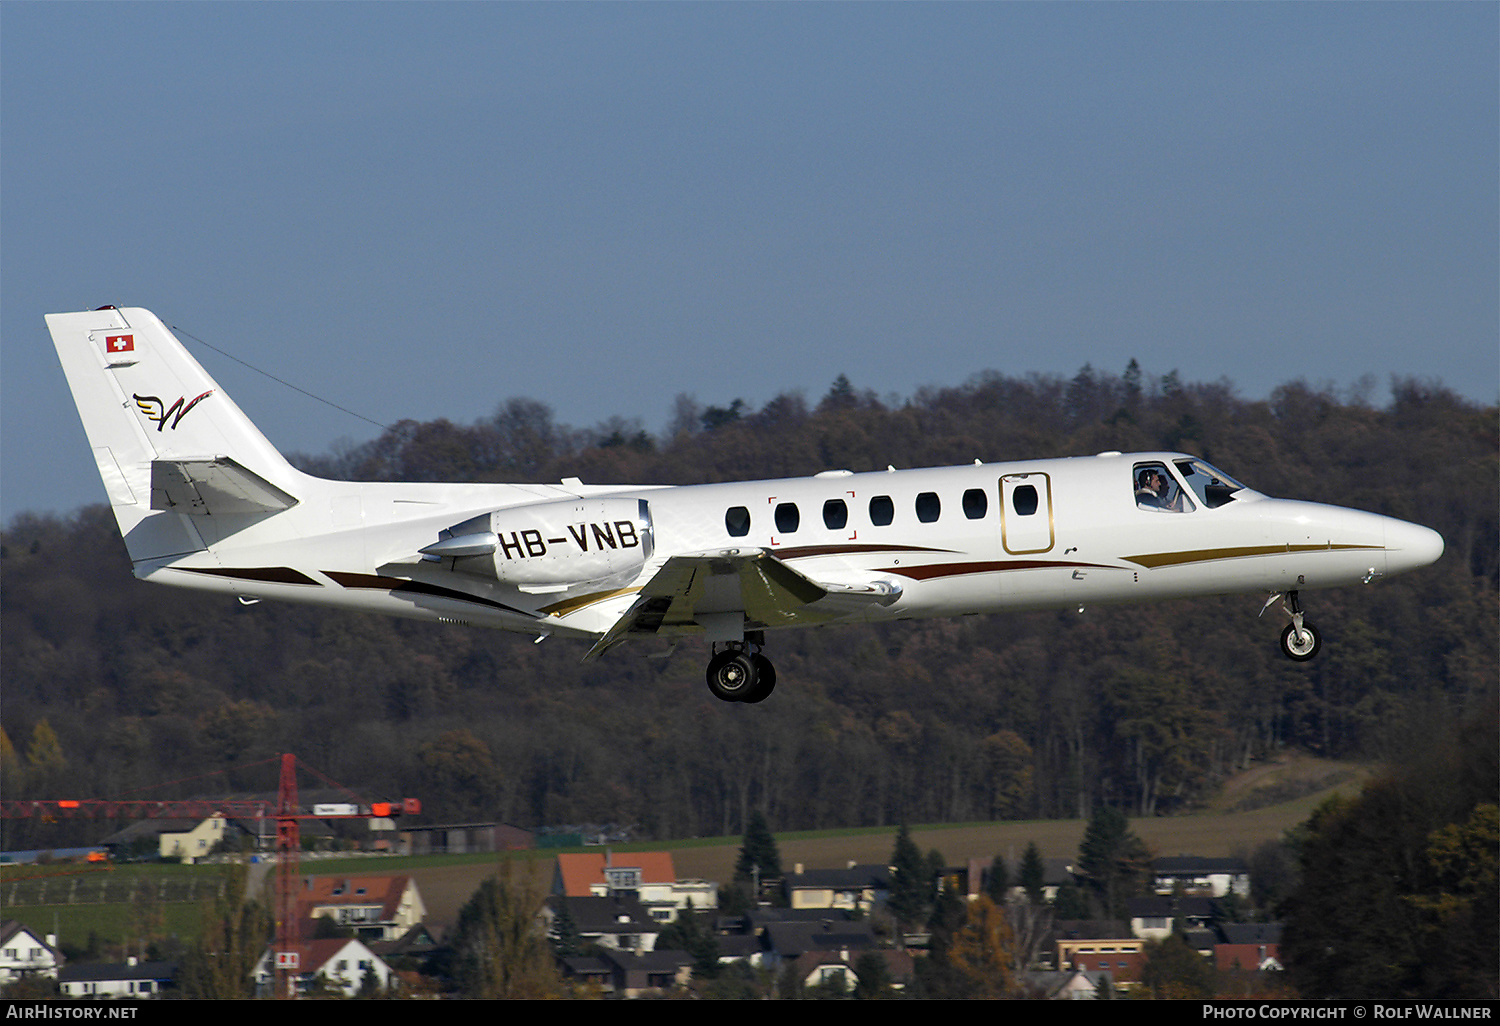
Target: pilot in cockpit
<point x="1154" y="490"/>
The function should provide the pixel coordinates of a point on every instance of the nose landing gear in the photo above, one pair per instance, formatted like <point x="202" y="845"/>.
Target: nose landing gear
<point x="1300" y="641"/>
<point x="738" y="674"/>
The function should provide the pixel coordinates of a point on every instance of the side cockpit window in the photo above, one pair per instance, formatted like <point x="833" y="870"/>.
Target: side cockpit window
<point x="1158" y="491"/>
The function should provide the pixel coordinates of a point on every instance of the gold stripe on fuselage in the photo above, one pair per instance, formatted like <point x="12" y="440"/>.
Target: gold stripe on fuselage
<point x="1152" y="560"/>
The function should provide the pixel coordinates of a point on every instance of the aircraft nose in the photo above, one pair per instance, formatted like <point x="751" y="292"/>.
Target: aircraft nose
<point x="1409" y="546"/>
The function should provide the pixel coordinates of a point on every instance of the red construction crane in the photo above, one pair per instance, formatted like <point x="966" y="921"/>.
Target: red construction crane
<point x="287" y="812"/>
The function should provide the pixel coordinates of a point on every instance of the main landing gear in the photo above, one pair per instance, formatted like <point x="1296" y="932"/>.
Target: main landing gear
<point x="738" y="674"/>
<point x="1300" y="641"/>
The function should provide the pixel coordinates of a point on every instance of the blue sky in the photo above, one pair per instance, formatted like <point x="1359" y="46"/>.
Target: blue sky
<point x="422" y="210"/>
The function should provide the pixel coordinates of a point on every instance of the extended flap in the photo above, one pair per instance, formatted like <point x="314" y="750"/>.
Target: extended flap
<point x="696" y="592"/>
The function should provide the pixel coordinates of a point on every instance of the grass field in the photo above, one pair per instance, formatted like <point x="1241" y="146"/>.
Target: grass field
<point x="447" y="881"/>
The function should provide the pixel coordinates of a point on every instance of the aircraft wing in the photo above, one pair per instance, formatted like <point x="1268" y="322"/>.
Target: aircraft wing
<point x="213" y="485"/>
<point x="738" y="590"/>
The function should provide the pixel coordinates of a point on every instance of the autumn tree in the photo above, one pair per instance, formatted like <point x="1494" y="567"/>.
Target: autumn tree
<point x="1008" y="768"/>
<point x="1174" y="971"/>
<point x="44" y="755"/>
<point x="983" y="951"/>
<point x="235" y="933"/>
<point x="461" y="770"/>
<point x="499" y="947"/>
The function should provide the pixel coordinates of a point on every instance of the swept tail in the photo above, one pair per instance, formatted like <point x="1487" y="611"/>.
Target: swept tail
<point x="170" y="445"/>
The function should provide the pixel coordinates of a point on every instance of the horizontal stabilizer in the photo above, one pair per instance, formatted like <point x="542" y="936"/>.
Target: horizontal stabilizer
<point x="695" y="593"/>
<point x="213" y="486"/>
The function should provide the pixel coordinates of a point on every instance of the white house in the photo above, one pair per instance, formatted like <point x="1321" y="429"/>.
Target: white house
<point x="24" y="952"/>
<point x="194" y="844"/>
<point x="1198" y="875"/>
<point x="376" y="908"/>
<point x="341" y="963"/>
<point x="128" y="979"/>
<point x="645" y="876"/>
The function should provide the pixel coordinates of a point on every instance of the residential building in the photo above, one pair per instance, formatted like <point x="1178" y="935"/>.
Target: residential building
<point x="1249" y="946"/>
<point x="194" y="843"/>
<point x="618" y="923"/>
<point x="376" y="908"/>
<point x="1067" y="985"/>
<point x="630" y="974"/>
<point x="836" y="968"/>
<point x="1196" y="875"/>
<point x="855" y="887"/>
<point x="129" y="979"/>
<point x="25" y="952"/>
<point x="646" y="876"/>
<point x="786" y="939"/>
<point x="1155" y="918"/>
<point x="337" y="963"/>
<point x="1121" y="957"/>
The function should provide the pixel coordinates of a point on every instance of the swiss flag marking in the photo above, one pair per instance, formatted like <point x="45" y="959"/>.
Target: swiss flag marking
<point x="119" y="343"/>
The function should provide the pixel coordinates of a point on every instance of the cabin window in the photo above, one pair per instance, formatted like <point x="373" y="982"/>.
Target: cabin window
<point x="976" y="503"/>
<point x="1025" y="500"/>
<point x="787" y="517"/>
<point x="737" y="521"/>
<point x="882" y="511"/>
<point x="1157" y="491"/>
<point x="929" y="507"/>
<point x="835" y="514"/>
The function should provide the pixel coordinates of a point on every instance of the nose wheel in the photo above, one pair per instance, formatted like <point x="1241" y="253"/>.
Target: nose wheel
<point x="739" y="675"/>
<point x="1301" y="644"/>
<point x="1300" y="641"/>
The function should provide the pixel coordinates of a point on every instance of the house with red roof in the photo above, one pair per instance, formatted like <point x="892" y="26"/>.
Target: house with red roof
<point x="645" y="876"/>
<point x="339" y="963"/>
<point x="376" y="908"/>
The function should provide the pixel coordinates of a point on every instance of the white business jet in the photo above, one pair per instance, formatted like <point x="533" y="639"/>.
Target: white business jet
<point x="204" y="501"/>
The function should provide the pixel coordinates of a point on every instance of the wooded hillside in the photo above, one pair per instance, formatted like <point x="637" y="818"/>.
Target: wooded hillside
<point x="110" y="685"/>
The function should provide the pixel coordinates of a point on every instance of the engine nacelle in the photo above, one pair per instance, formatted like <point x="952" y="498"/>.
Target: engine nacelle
<point x="551" y="545"/>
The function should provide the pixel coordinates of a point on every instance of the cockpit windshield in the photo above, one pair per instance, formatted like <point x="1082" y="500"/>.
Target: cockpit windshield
<point x="1159" y="490"/>
<point x="1213" y="487"/>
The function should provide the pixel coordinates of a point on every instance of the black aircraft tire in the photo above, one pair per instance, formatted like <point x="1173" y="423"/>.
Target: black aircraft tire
<point x="1304" y="648"/>
<point x="765" y="680"/>
<point x="731" y="676"/>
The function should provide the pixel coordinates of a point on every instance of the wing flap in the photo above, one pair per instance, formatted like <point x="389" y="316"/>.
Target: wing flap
<point x="738" y="590"/>
<point x="213" y="486"/>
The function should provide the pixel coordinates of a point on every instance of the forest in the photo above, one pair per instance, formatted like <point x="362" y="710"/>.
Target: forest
<point x="112" y="687"/>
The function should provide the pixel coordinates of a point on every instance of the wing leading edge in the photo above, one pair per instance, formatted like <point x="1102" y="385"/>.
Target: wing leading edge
<point x="724" y="594"/>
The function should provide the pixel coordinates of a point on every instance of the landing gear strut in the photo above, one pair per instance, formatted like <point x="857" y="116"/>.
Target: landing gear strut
<point x="738" y="674"/>
<point x="1301" y="640"/>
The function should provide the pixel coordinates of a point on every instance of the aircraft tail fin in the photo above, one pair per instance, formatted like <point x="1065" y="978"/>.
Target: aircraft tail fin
<point x="170" y="445"/>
